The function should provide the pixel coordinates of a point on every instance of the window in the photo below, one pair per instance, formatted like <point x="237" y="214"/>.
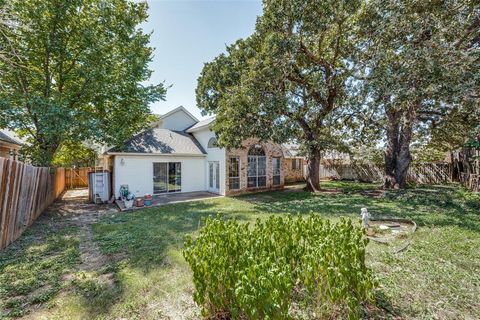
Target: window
<point x="257" y="167"/>
<point x="212" y="143"/>
<point x="296" y="164"/>
<point x="234" y="173"/>
<point x="276" y="171"/>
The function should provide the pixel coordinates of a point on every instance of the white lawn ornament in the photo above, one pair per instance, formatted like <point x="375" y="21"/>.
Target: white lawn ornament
<point x="365" y="217"/>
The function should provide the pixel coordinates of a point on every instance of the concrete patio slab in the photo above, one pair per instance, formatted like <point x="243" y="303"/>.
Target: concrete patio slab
<point x="169" y="198"/>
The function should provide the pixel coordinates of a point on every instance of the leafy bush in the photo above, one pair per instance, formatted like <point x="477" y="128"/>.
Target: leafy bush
<point x="265" y="271"/>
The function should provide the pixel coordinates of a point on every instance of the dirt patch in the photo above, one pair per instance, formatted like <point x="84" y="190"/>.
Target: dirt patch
<point x="178" y="308"/>
<point x="75" y="210"/>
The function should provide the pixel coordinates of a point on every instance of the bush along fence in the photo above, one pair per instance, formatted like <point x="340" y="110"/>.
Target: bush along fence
<point x="25" y="191"/>
<point x="267" y="271"/>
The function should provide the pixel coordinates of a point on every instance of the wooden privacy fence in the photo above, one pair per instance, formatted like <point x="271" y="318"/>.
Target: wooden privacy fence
<point x="426" y="173"/>
<point x="430" y="173"/>
<point x="470" y="181"/>
<point x="77" y="177"/>
<point x="25" y="191"/>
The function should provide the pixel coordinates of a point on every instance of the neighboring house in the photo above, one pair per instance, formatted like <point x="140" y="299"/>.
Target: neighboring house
<point x="294" y="163"/>
<point x="180" y="154"/>
<point x="10" y="145"/>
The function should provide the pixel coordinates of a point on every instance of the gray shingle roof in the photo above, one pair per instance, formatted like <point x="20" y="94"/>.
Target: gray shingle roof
<point x="201" y="124"/>
<point x="162" y="141"/>
<point x="7" y="137"/>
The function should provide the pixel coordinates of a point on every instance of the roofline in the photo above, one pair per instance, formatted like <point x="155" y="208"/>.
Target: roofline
<point x="178" y="109"/>
<point x="12" y="142"/>
<point x="201" y="127"/>
<point x="154" y="154"/>
<point x="10" y="137"/>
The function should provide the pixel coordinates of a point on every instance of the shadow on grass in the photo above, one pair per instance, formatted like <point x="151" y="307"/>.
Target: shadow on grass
<point x="382" y="308"/>
<point x="32" y="268"/>
<point x="144" y="236"/>
<point x="441" y="206"/>
<point x="328" y="205"/>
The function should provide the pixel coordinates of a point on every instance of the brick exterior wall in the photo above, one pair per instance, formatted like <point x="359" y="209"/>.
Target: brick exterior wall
<point x="271" y="150"/>
<point x="292" y="175"/>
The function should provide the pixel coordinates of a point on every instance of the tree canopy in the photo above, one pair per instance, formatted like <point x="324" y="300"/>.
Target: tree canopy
<point x="78" y="74"/>
<point x="74" y="154"/>
<point x="288" y="80"/>
<point x="329" y="73"/>
<point x="422" y="60"/>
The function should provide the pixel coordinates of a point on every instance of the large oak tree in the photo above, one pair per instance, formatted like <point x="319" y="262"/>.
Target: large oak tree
<point x="422" y="61"/>
<point x="77" y="75"/>
<point x="288" y="80"/>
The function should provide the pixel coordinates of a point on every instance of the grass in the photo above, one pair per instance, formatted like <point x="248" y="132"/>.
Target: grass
<point x="437" y="277"/>
<point x="32" y="268"/>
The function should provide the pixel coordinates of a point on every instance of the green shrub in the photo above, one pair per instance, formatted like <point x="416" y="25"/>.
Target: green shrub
<point x="261" y="272"/>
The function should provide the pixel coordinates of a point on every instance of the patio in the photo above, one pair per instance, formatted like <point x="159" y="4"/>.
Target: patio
<point x="169" y="198"/>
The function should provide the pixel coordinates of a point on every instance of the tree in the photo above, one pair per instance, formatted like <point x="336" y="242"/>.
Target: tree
<point x="74" y="154"/>
<point x="8" y="25"/>
<point x="286" y="81"/>
<point x="457" y="127"/>
<point x="422" y="65"/>
<point x="80" y="76"/>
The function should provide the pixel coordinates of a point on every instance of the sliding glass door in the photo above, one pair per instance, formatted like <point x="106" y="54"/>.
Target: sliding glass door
<point x="167" y="177"/>
<point x="174" y="176"/>
<point x="160" y="177"/>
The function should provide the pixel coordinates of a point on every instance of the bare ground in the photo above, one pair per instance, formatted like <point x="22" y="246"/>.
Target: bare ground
<point x="75" y="210"/>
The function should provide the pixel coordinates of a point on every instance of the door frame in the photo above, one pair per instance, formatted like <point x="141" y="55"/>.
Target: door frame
<point x="167" y="182"/>
<point x="215" y="165"/>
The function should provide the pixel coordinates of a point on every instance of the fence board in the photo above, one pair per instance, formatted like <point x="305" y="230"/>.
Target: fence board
<point x="77" y="177"/>
<point x="25" y="192"/>
<point x="426" y="173"/>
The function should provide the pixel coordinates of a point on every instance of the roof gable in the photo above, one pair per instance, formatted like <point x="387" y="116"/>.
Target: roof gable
<point x="201" y="124"/>
<point x="177" y="119"/>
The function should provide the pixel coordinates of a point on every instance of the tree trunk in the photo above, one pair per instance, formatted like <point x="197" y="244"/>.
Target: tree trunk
<point x="313" y="171"/>
<point x="397" y="155"/>
<point x="393" y="129"/>
<point x="404" y="159"/>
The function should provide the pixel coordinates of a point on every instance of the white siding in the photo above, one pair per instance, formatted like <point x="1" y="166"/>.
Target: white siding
<point x="213" y="154"/>
<point x="177" y="121"/>
<point x="137" y="172"/>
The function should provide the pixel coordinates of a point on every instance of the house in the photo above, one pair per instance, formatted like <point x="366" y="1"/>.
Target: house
<point x="10" y="145"/>
<point x="294" y="163"/>
<point x="179" y="153"/>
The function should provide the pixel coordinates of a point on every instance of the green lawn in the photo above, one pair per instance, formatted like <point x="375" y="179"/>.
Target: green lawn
<point x="144" y="275"/>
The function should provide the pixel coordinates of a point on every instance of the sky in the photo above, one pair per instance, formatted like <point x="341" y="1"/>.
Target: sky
<point x="189" y="33"/>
